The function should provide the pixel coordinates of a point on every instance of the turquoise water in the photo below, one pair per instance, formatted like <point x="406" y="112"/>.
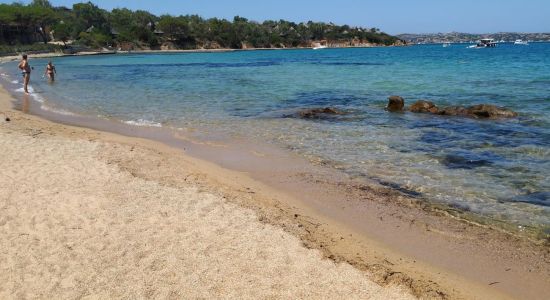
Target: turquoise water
<point x="497" y="168"/>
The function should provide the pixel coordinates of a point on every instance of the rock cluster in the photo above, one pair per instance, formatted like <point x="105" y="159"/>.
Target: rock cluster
<point x="319" y="113"/>
<point x="482" y="111"/>
<point x="424" y="106"/>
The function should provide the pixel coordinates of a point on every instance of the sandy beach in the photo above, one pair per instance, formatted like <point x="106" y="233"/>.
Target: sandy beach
<point x="88" y="213"/>
<point x="73" y="224"/>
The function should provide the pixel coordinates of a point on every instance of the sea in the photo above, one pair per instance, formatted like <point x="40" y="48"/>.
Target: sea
<point x="499" y="169"/>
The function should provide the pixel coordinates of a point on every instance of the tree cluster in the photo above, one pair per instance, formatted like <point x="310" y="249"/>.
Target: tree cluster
<point x="89" y="25"/>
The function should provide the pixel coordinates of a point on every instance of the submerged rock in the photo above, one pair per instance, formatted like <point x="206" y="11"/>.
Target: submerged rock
<point x="481" y="111"/>
<point x="490" y="111"/>
<point x="455" y="161"/>
<point x="453" y="111"/>
<point x="538" y="198"/>
<point x="424" y="106"/>
<point x="395" y="103"/>
<point x="319" y="113"/>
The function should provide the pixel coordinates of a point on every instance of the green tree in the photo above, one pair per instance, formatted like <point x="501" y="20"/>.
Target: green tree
<point x="42" y="3"/>
<point x="96" y="27"/>
<point x="62" y="32"/>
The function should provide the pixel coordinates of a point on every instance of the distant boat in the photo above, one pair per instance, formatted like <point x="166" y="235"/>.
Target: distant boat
<point x="320" y="47"/>
<point x="484" y="43"/>
<point x="445" y="45"/>
<point x="521" y="42"/>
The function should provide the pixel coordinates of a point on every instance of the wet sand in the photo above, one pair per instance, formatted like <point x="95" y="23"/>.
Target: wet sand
<point x="392" y="239"/>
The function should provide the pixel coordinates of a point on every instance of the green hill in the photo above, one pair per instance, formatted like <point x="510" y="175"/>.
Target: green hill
<point x="87" y="25"/>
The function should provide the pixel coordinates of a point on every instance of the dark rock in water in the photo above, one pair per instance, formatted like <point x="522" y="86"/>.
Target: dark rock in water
<point x="395" y="103"/>
<point x="424" y="106"/>
<point x="453" y="111"/>
<point x="453" y="161"/>
<point x="490" y="111"/>
<point x="319" y="113"/>
<point x="481" y="111"/>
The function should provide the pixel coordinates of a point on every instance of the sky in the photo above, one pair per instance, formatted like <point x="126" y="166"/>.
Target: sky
<point x="392" y="16"/>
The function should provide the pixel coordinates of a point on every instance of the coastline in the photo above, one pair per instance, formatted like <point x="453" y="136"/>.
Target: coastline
<point x="77" y="222"/>
<point x="8" y="58"/>
<point x="319" y="226"/>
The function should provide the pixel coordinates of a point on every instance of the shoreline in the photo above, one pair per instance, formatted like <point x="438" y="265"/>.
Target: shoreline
<point x="317" y="225"/>
<point x="171" y="135"/>
<point x="76" y="223"/>
<point x="8" y="58"/>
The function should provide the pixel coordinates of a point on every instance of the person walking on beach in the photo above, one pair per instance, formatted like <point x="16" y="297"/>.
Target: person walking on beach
<point x="26" y="68"/>
<point x="50" y="71"/>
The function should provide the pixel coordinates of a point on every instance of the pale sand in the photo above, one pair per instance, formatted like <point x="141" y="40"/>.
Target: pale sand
<point x="75" y="225"/>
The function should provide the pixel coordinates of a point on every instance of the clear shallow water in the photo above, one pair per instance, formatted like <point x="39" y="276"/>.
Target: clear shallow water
<point x="496" y="168"/>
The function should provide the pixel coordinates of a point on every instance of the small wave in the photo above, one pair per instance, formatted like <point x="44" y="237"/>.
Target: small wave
<point x="34" y="95"/>
<point x="143" y="123"/>
<point x="57" y="110"/>
<point x="14" y="81"/>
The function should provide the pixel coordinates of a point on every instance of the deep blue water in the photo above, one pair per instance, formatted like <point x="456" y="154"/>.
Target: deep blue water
<point x="499" y="168"/>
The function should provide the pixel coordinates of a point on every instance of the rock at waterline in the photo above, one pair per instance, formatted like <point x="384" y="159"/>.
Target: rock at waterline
<point x="453" y="111"/>
<point x="490" y="111"/>
<point x="395" y="103"/>
<point x="481" y="111"/>
<point x="424" y="106"/>
<point x="319" y="113"/>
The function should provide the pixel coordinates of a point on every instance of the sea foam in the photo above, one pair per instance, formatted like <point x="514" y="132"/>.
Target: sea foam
<point x="57" y="110"/>
<point x="143" y="123"/>
<point x="34" y="95"/>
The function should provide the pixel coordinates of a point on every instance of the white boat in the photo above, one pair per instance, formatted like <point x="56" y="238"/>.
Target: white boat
<point x="521" y="42"/>
<point x="445" y="45"/>
<point x="319" y="47"/>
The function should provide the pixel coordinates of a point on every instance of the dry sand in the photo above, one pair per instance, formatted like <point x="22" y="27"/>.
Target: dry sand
<point x="73" y="224"/>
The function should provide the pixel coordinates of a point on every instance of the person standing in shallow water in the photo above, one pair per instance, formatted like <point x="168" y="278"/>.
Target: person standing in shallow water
<point x="26" y="68"/>
<point x="50" y="71"/>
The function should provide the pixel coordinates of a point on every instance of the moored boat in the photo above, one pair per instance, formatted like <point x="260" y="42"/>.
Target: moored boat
<point x="484" y="43"/>
<point x="521" y="42"/>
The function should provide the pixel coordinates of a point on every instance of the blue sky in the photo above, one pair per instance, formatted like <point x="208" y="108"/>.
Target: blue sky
<point x="392" y="16"/>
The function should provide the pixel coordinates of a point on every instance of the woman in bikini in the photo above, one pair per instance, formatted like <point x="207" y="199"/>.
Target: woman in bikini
<point x="50" y="71"/>
<point x="26" y="68"/>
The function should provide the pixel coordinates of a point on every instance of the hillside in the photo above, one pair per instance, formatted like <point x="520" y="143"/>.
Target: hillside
<point x="87" y="25"/>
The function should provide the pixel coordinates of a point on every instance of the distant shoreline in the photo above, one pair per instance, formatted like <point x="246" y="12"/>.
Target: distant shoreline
<point x="7" y="58"/>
